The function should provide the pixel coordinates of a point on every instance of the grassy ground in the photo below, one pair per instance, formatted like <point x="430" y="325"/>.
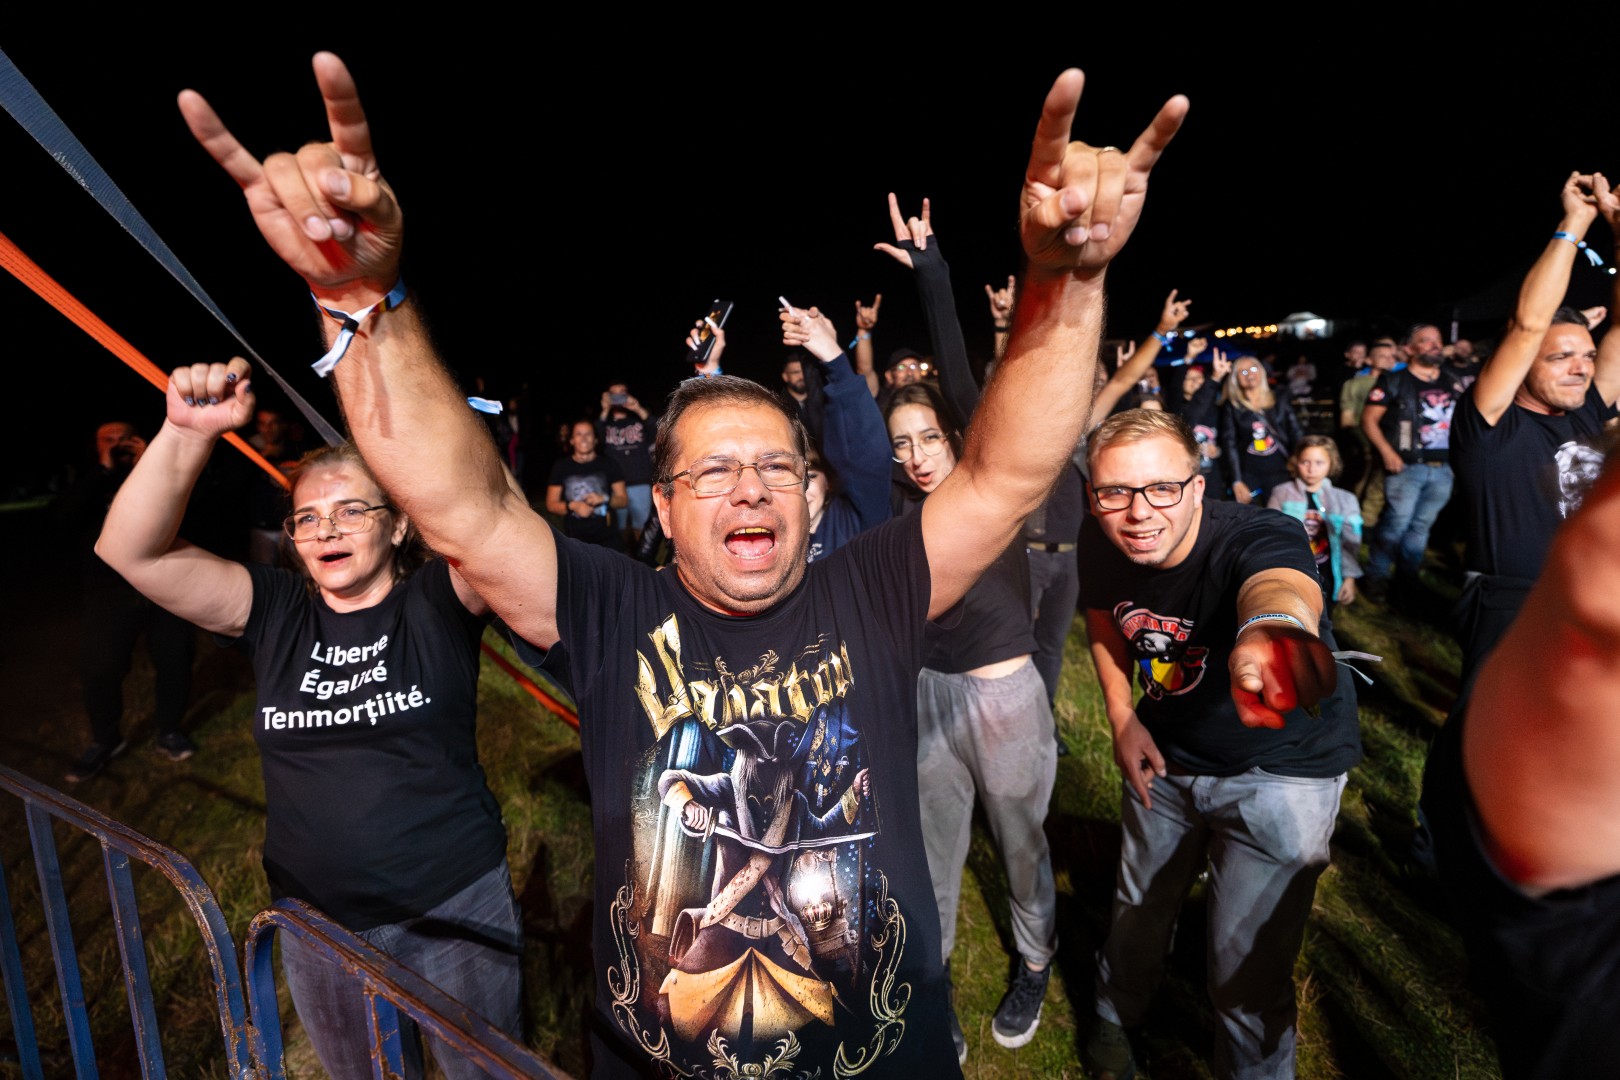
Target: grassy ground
<point x="1379" y="977"/>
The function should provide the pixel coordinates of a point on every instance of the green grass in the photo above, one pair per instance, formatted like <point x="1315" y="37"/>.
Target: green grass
<point x="1379" y="978"/>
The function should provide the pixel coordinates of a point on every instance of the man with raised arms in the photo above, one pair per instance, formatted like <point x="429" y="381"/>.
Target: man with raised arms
<point x="1524" y="436"/>
<point x="761" y="897"/>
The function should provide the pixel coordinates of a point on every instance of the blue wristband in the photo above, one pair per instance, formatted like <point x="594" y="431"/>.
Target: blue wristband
<point x="1591" y="256"/>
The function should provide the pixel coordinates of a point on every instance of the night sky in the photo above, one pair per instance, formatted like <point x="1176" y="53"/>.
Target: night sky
<point x="571" y="208"/>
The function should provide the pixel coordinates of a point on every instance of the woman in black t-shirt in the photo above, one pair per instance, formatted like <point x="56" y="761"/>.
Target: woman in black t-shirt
<point x="984" y="730"/>
<point x="377" y="810"/>
<point x="1257" y="432"/>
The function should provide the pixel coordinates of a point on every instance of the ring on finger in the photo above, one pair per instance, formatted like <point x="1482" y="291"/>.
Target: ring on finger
<point x="1105" y="149"/>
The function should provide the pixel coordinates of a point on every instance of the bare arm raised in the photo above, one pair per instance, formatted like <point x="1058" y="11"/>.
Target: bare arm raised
<point x="1078" y="208"/>
<point x="140" y="537"/>
<point x="1543" y="290"/>
<point x="1135" y="364"/>
<point x="333" y="219"/>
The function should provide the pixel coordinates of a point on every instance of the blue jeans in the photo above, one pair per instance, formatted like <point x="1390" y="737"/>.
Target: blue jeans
<point x="635" y="513"/>
<point x="1413" y="498"/>
<point x="470" y="947"/>
<point x="1265" y="838"/>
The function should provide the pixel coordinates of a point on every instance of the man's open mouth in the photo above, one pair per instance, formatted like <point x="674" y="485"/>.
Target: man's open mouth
<point x="751" y="542"/>
<point x="1144" y="540"/>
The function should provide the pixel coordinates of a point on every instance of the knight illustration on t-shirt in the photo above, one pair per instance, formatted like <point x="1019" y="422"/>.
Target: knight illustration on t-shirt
<point x="758" y="808"/>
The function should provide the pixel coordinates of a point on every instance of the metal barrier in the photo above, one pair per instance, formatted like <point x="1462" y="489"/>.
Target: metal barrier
<point x="251" y="1052"/>
<point x="389" y="989"/>
<point x="119" y="844"/>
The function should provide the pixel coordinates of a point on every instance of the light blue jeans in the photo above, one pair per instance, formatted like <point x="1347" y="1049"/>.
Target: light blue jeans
<point x="470" y="947"/>
<point x="1265" y="838"/>
<point x="634" y="514"/>
<point x="1413" y="498"/>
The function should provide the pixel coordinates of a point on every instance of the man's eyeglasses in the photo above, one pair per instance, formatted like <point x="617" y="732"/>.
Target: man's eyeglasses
<point x="1163" y="494"/>
<point x="720" y="476"/>
<point x="345" y="519"/>
<point x="932" y="443"/>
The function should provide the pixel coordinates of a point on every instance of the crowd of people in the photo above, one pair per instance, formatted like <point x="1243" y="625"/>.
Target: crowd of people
<point x="811" y="626"/>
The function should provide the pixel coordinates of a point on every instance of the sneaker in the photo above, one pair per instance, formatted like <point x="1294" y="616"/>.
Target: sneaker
<point x="956" y="1033"/>
<point x="1019" y="1013"/>
<point x="93" y="760"/>
<point x="1107" y="1054"/>
<point x="175" y="746"/>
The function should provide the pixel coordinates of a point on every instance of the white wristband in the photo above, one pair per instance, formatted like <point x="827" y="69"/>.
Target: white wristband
<point x="1272" y="616"/>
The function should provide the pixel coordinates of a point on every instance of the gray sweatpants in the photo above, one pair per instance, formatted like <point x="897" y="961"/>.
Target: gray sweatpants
<point x="993" y="738"/>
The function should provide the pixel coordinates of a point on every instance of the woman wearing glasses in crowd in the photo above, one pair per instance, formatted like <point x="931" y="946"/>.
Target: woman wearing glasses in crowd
<point x="1257" y="432"/>
<point x="984" y="727"/>
<point x="366" y="660"/>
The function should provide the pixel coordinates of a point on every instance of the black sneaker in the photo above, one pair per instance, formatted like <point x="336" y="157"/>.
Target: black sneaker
<point x="1019" y="1013"/>
<point x="175" y="746"/>
<point x="1107" y="1054"/>
<point x="93" y="760"/>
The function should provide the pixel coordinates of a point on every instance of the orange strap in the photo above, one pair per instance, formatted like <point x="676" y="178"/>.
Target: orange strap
<point x="532" y="687"/>
<point x="47" y="288"/>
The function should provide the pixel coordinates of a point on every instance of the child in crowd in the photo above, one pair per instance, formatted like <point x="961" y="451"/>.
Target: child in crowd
<point x="1332" y="516"/>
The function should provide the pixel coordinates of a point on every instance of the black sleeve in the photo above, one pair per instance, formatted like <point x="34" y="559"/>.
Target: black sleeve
<point x="1227" y="436"/>
<point x="593" y="586"/>
<point x="956" y="379"/>
<point x="1289" y="427"/>
<point x="276" y="594"/>
<point x="813" y="413"/>
<point x="1266" y="540"/>
<point x="891" y="570"/>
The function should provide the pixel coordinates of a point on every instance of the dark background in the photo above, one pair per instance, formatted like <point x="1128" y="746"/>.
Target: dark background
<point x="574" y="201"/>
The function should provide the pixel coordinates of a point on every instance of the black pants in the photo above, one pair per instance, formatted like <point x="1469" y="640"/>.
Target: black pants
<point x="115" y="616"/>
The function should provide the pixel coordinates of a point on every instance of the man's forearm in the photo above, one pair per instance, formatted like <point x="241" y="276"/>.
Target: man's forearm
<point x="428" y="450"/>
<point x="1281" y="592"/>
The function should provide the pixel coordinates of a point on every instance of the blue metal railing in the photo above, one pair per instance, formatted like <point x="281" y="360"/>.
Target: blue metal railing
<point x="389" y="990"/>
<point x="252" y="1051"/>
<point x="119" y="844"/>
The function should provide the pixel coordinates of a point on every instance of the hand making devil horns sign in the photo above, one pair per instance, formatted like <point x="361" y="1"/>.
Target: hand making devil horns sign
<point x="326" y="210"/>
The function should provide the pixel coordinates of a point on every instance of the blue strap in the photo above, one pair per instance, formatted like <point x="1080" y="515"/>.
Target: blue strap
<point x="19" y="98"/>
<point x="1591" y="256"/>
